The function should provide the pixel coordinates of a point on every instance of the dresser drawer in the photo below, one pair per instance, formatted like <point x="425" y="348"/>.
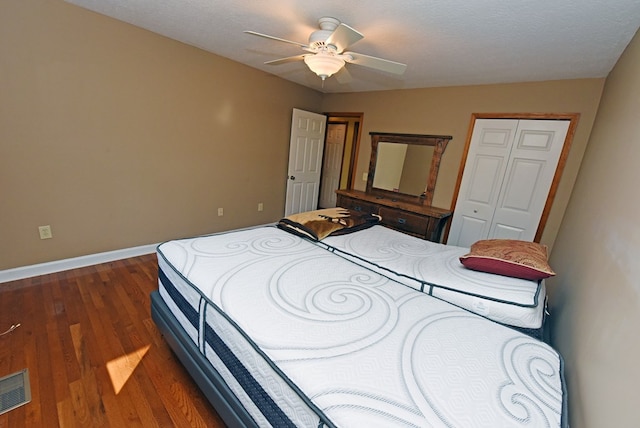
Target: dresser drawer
<point x="357" y="205"/>
<point x="425" y="222"/>
<point x="404" y="221"/>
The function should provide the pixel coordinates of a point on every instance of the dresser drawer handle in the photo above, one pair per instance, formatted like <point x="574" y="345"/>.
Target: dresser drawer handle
<point x="402" y="220"/>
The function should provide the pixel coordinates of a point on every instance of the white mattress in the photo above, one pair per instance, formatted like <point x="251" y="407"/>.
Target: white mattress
<point x="436" y="269"/>
<point x="328" y="340"/>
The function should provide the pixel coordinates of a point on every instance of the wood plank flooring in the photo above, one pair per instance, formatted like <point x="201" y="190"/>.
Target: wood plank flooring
<point x="94" y="355"/>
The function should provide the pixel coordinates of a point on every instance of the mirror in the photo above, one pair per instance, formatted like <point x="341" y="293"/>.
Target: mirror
<point x="401" y="168"/>
<point x="405" y="166"/>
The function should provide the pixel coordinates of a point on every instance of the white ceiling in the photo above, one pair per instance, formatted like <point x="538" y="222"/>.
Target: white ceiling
<point x="443" y="42"/>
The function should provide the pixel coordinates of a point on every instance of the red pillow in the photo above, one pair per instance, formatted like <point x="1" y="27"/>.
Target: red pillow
<point x="509" y="257"/>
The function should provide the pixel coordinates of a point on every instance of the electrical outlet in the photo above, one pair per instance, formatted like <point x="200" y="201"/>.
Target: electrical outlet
<point x="260" y="206"/>
<point x="45" y="232"/>
<point x="364" y="176"/>
<point x="220" y="212"/>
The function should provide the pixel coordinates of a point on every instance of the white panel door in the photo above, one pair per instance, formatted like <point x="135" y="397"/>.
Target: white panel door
<point x="332" y="164"/>
<point x="506" y="179"/>
<point x="532" y="165"/>
<point x="487" y="159"/>
<point x="305" y="161"/>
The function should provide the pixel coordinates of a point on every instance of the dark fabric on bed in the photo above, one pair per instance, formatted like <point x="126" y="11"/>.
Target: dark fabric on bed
<point x="319" y="224"/>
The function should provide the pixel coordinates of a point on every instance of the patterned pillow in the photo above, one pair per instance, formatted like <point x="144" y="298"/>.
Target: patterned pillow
<point x="509" y="257"/>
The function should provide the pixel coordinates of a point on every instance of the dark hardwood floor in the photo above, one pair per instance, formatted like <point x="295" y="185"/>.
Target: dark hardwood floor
<point x="94" y="355"/>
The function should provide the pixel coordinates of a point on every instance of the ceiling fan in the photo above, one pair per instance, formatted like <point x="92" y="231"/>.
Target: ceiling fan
<point x="327" y="54"/>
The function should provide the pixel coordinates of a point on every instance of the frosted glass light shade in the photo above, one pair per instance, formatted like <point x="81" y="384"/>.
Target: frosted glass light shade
<point x="324" y="65"/>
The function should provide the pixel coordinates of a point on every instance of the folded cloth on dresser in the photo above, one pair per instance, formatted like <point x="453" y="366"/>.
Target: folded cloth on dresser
<point x="319" y="224"/>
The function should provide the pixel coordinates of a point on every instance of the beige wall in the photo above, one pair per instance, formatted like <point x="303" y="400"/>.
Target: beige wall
<point x="447" y="111"/>
<point x="117" y="137"/>
<point x="596" y="293"/>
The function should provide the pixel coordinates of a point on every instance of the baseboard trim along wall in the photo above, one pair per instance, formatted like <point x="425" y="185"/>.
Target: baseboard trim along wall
<point x="74" y="263"/>
<point x="15" y="274"/>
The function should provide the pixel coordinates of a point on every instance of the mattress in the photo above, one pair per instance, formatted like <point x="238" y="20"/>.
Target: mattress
<point x="436" y="269"/>
<point x="306" y="338"/>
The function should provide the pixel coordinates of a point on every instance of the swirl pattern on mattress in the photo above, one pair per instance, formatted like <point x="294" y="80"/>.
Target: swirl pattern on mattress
<point x="436" y="269"/>
<point x="355" y="346"/>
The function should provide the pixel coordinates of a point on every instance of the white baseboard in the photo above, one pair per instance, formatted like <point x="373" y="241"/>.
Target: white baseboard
<point x="83" y="261"/>
<point x="73" y="263"/>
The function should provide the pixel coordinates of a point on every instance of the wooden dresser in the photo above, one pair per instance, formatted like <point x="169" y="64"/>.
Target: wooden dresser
<point x="425" y="222"/>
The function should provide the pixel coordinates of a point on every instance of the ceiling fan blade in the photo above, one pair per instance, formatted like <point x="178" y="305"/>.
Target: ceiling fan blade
<point x="343" y="76"/>
<point x="343" y="36"/>
<point x="285" y="60"/>
<point x="373" y="62"/>
<point x="266" y="36"/>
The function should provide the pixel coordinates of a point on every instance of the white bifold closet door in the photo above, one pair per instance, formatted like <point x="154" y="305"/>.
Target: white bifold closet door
<point x="506" y="180"/>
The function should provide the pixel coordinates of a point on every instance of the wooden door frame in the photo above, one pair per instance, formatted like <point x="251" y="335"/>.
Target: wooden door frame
<point x="355" y="147"/>
<point x="573" y="124"/>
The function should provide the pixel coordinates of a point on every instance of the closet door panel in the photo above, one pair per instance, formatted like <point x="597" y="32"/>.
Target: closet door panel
<point x="507" y="231"/>
<point x="516" y="205"/>
<point x="470" y="230"/>
<point x="506" y="179"/>
<point x="528" y="178"/>
<point x="481" y="185"/>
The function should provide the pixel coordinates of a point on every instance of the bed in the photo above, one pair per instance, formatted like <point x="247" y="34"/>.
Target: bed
<point x="436" y="269"/>
<point x="279" y="332"/>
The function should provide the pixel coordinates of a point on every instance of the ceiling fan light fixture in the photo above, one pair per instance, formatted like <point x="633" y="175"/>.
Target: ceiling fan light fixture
<point x="327" y="54"/>
<point x="324" y="65"/>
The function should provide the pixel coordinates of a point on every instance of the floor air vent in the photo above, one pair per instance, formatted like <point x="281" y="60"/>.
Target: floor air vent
<point x="14" y="391"/>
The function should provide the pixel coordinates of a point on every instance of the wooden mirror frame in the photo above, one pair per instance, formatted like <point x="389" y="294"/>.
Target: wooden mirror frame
<point x="439" y="143"/>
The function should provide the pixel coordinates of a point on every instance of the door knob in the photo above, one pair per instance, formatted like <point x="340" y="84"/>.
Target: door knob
<point x="292" y="177"/>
